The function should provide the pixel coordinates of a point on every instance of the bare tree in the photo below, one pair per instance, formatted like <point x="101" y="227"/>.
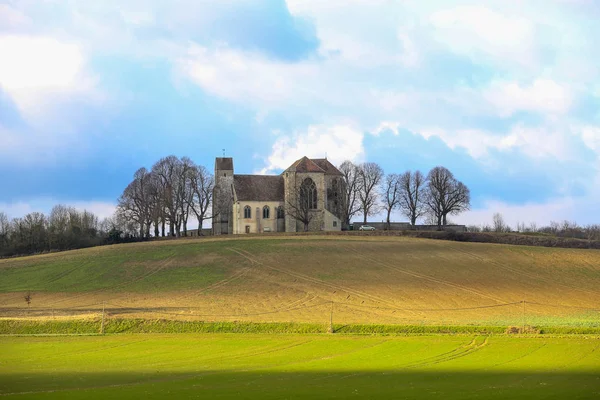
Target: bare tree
<point x="412" y="195"/>
<point x="185" y="194"/>
<point x="135" y="202"/>
<point x="202" y="185"/>
<point x="350" y="204"/>
<point x="390" y="194"/>
<point x="445" y="195"/>
<point x="370" y="176"/>
<point x="167" y="170"/>
<point x="499" y="224"/>
<point x="4" y="230"/>
<point x="301" y="206"/>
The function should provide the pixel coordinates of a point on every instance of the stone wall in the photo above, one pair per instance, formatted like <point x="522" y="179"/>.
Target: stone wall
<point x="405" y="226"/>
<point x="256" y="223"/>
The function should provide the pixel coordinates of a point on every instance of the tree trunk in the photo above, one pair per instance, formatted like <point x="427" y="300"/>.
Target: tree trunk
<point x="413" y="220"/>
<point x="388" y="218"/>
<point x="156" y="232"/>
<point x="163" y="228"/>
<point x="439" y="222"/>
<point x="365" y="218"/>
<point x="444" y="220"/>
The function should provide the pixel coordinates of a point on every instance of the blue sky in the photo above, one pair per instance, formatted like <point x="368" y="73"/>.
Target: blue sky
<point x="506" y="94"/>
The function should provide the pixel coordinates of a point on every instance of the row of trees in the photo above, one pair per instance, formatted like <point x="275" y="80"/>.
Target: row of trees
<point x="568" y="229"/>
<point x="167" y="195"/>
<point x="64" y="228"/>
<point x="368" y="191"/>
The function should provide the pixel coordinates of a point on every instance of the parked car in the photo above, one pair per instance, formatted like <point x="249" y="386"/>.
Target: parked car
<point x="366" y="228"/>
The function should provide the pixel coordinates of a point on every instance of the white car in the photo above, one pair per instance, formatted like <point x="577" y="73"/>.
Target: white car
<point x="366" y="228"/>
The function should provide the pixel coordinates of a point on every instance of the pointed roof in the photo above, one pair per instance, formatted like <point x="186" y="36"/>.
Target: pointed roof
<point x="321" y="165"/>
<point x="325" y="165"/>
<point x="304" y="164"/>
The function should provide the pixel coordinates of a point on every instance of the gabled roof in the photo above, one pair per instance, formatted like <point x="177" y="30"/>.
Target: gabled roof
<point x="304" y="164"/>
<point x="259" y="187"/>
<point x="321" y="165"/>
<point x="325" y="165"/>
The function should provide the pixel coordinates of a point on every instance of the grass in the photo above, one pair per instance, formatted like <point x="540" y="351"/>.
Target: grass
<point x="275" y="366"/>
<point x="370" y="280"/>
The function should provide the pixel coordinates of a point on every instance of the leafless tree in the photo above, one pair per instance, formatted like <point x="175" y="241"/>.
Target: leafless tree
<point x="202" y="185"/>
<point x="135" y="202"/>
<point x="412" y="195"/>
<point x="390" y="193"/>
<point x="370" y="176"/>
<point x="499" y="224"/>
<point x="4" y="229"/>
<point x="185" y="188"/>
<point x="168" y="171"/>
<point x="350" y="188"/>
<point x="445" y="195"/>
<point x="300" y="206"/>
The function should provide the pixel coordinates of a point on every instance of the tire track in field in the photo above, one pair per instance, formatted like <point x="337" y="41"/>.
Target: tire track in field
<point x="426" y="277"/>
<point x="520" y="357"/>
<point x="167" y="262"/>
<point x="237" y="275"/>
<point x="65" y="273"/>
<point x="317" y="281"/>
<point x="162" y="380"/>
<point x="76" y="353"/>
<point x="518" y="271"/>
<point x="459" y="352"/>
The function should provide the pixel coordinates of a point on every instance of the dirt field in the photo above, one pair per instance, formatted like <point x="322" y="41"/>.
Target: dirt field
<point x="391" y="280"/>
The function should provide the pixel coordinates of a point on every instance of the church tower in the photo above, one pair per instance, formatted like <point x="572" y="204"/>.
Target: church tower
<point x="223" y="196"/>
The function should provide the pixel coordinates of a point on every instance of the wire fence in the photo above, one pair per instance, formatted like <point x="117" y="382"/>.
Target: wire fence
<point x="519" y="311"/>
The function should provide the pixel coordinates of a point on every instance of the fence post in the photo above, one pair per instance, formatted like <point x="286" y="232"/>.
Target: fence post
<point x="102" y="323"/>
<point x="523" y="316"/>
<point x="331" y="319"/>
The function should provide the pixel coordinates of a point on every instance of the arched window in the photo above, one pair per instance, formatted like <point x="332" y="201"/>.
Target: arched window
<point x="280" y="212"/>
<point x="247" y="212"/>
<point x="308" y="194"/>
<point x="266" y="212"/>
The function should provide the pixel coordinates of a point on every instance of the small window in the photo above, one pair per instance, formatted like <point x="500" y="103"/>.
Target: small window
<point x="280" y="212"/>
<point x="247" y="228"/>
<point x="266" y="212"/>
<point x="247" y="212"/>
<point x="334" y="224"/>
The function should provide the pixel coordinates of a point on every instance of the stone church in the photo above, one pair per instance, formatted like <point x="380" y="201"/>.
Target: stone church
<point x="306" y="196"/>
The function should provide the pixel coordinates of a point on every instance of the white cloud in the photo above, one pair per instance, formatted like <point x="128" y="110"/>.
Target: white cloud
<point x="39" y="72"/>
<point x="338" y="143"/>
<point x="12" y="18"/>
<point x="475" y="30"/>
<point x="591" y="137"/>
<point x="246" y="77"/>
<point x="543" y="95"/>
<point x="539" y="142"/>
<point x="358" y="33"/>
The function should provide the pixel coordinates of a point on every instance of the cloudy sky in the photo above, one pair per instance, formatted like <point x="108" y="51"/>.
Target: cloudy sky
<point x="505" y="94"/>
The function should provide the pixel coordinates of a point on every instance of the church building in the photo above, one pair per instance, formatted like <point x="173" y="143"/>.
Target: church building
<point x="305" y="197"/>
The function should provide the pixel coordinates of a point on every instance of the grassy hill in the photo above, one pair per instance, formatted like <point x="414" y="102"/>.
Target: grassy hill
<point x="390" y="280"/>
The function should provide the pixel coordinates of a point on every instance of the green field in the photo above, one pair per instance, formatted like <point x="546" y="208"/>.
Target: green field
<point x="299" y="366"/>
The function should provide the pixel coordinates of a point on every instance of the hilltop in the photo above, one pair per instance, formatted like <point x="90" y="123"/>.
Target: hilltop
<point x="391" y="280"/>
